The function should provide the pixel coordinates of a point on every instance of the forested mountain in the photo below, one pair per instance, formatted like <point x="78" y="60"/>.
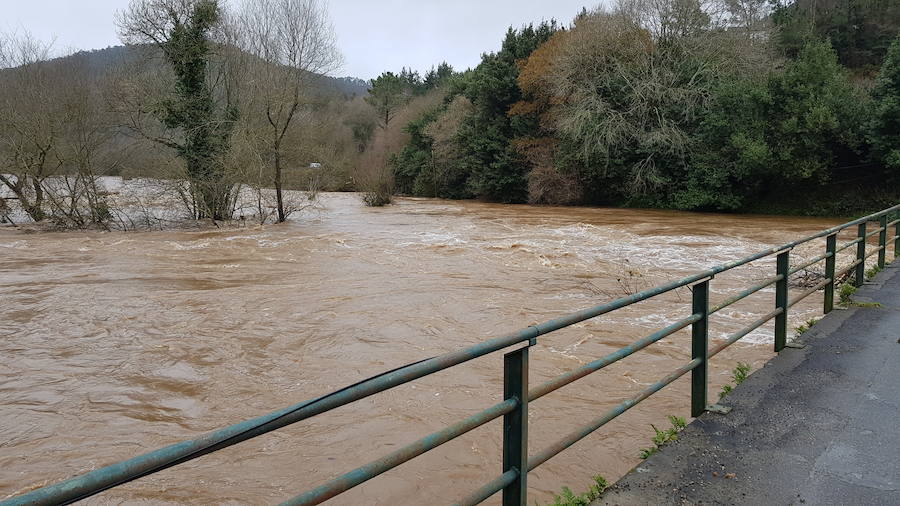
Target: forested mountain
<point x="100" y="62"/>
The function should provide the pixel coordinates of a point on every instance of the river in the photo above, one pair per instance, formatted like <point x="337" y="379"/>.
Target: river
<point x="114" y="344"/>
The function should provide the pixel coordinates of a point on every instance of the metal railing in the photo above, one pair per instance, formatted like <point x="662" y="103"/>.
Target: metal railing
<point x="517" y="396"/>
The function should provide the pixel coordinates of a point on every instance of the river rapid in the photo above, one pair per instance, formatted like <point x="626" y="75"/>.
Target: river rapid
<point x="114" y="344"/>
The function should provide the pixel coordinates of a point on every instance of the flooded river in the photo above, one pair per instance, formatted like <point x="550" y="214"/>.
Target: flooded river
<point x="114" y="344"/>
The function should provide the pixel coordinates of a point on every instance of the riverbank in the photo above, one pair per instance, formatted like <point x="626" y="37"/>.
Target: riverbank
<point x="840" y="202"/>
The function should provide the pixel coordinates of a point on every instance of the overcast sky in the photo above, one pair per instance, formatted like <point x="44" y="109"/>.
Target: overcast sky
<point x="374" y="35"/>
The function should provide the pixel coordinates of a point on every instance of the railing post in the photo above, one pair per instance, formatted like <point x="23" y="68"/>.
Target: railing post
<point x="783" y="266"/>
<point x="700" y="348"/>
<point x="515" y="426"/>
<point x="860" y="277"/>
<point x="830" y="262"/>
<point x="882" y="242"/>
<point x="897" y="238"/>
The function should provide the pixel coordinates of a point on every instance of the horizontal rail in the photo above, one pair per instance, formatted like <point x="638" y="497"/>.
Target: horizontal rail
<point x="839" y="228"/>
<point x="809" y="292"/>
<point x="816" y="260"/>
<point x="580" y="434"/>
<point x="744" y="294"/>
<point x="596" y="365"/>
<point x="847" y="269"/>
<point x="875" y="251"/>
<point x="737" y="336"/>
<point x="489" y="489"/>
<point x="848" y="245"/>
<point x="875" y="232"/>
<point x="343" y="483"/>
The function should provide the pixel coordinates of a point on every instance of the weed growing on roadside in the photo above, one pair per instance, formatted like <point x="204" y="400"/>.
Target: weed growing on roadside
<point x="846" y="293"/>
<point x="568" y="498"/>
<point x="664" y="437"/>
<point x="871" y="273"/>
<point x="738" y="375"/>
<point x="804" y="328"/>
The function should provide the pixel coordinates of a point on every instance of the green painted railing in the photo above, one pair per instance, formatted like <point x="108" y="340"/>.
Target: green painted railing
<point x="516" y="462"/>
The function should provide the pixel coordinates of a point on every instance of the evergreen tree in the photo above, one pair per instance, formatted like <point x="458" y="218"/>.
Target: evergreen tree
<point x="387" y="95"/>
<point x="497" y="171"/>
<point x="438" y="76"/>
<point x="885" y="131"/>
<point x="859" y="30"/>
<point x="789" y="130"/>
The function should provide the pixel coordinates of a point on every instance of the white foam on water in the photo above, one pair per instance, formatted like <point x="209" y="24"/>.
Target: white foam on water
<point x="567" y="296"/>
<point x="654" y="320"/>
<point x="15" y="245"/>
<point x="431" y="239"/>
<point x="266" y="243"/>
<point x="187" y="246"/>
<point x="246" y="237"/>
<point x="590" y="244"/>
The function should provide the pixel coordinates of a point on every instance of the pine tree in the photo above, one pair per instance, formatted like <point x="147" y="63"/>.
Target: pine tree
<point x="387" y="95"/>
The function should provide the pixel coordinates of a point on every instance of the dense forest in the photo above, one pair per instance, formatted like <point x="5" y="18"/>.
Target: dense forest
<point x="731" y="105"/>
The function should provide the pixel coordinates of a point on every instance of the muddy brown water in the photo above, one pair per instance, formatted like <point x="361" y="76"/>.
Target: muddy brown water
<point x="114" y="344"/>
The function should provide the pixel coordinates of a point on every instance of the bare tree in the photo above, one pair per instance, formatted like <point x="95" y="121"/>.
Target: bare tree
<point x="30" y="121"/>
<point x="751" y="16"/>
<point x="77" y="197"/>
<point x="374" y="174"/>
<point x="52" y="135"/>
<point x="292" y="43"/>
<point x="667" y="20"/>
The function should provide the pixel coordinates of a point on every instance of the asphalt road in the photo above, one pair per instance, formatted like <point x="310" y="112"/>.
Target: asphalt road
<point x="817" y="426"/>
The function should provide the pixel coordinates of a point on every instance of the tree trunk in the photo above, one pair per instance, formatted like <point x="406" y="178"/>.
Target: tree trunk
<point x="37" y="207"/>
<point x="34" y="208"/>
<point x="278" y="195"/>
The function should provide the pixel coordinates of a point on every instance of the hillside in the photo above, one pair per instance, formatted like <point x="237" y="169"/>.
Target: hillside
<point x="99" y="62"/>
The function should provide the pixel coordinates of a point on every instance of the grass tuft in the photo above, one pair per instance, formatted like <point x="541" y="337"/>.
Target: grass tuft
<point x="569" y="498"/>
<point x="664" y="437"/>
<point x="804" y="328"/>
<point x="871" y="273"/>
<point x="846" y="292"/>
<point x="738" y="375"/>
